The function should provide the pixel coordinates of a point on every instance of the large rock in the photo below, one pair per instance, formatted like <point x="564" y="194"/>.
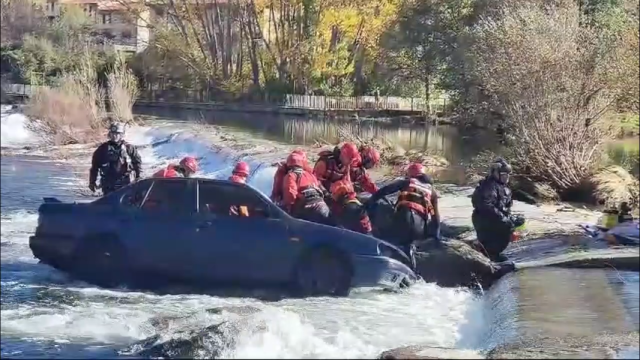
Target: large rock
<point x="454" y="263"/>
<point x="188" y="342"/>
<point x="429" y="352"/>
<point x="603" y="346"/>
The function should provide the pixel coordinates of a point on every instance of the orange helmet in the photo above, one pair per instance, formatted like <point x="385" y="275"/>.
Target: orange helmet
<point x="349" y="154"/>
<point x="341" y="188"/>
<point x="301" y="152"/>
<point x="297" y="159"/>
<point x="415" y="170"/>
<point x="189" y="163"/>
<point x="241" y="168"/>
<point x="370" y="156"/>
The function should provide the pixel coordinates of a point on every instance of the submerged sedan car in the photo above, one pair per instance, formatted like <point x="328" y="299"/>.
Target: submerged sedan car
<point x="185" y="230"/>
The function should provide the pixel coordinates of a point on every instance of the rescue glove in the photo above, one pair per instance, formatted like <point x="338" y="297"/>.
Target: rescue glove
<point x="517" y="220"/>
<point x="93" y="187"/>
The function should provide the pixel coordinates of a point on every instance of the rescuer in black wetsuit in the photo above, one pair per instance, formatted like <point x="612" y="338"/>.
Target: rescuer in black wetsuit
<point x="491" y="216"/>
<point x="115" y="161"/>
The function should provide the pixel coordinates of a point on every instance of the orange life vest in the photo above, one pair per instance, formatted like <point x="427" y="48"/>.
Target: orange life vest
<point x="417" y="196"/>
<point x="306" y="194"/>
<point x="333" y="171"/>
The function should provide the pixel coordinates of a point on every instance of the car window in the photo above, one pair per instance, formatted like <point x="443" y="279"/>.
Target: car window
<point x="176" y="197"/>
<point x="229" y="200"/>
<point x="134" y="196"/>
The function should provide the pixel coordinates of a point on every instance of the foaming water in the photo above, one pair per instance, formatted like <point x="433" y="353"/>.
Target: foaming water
<point x="15" y="132"/>
<point x="45" y="313"/>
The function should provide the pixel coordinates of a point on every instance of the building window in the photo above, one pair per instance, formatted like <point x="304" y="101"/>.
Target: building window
<point x="127" y="34"/>
<point x="106" y="18"/>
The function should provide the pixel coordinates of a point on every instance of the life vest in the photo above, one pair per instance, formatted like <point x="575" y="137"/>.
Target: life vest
<point x="333" y="171"/>
<point x="417" y="196"/>
<point x="364" y="223"/>
<point x="118" y="161"/>
<point x="306" y="194"/>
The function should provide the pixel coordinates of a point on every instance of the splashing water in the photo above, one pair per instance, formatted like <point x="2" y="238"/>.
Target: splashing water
<point x="45" y="313"/>
<point x="15" y="132"/>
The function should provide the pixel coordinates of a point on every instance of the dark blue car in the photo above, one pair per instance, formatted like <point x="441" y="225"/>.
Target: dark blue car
<point x="188" y="231"/>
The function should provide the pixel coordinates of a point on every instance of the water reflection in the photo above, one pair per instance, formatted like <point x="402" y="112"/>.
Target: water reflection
<point x="445" y="140"/>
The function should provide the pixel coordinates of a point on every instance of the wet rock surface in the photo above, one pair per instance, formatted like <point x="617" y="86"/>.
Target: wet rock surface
<point x="429" y="352"/>
<point x="189" y="343"/>
<point x="604" y="346"/>
<point x="455" y="263"/>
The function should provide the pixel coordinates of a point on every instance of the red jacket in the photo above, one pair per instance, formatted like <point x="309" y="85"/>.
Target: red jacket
<point x="278" y="178"/>
<point x="294" y="183"/>
<point x="238" y="179"/>
<point x="168" y="172"/>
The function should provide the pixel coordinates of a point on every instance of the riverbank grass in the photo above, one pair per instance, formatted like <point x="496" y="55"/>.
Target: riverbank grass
<point x="73" y="111"/>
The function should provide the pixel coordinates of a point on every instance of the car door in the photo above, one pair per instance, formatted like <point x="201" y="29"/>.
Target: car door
<point x="249" y="248"/>
<point x="156" y="229"/>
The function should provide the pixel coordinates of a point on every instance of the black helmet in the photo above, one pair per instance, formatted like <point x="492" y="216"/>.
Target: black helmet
<point x="116" y="128"/>
<point x="501" y="166"/>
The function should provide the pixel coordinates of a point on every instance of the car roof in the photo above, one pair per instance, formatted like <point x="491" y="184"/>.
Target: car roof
<point x="221" y="182"/>
<point x="209" y="180"/>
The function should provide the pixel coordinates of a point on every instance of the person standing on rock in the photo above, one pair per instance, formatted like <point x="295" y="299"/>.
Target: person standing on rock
<point x="492" y="219"/>
<point x="416" y="214"/>
<point x="115" y="161"/>
<point x="302" y="193"/>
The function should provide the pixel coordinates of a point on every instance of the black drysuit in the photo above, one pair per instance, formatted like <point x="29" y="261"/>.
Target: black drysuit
<point x="492" y="216"/>
<point x="407" y="225"/>
<point x="115" y="162"/>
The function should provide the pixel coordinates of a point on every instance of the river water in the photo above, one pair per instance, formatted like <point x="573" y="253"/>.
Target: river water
<point x="444" y="140"/>
<point x="44" y="313"/>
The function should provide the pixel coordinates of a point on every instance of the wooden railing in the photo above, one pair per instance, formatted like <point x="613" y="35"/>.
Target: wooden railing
<point x="312" y="102"/>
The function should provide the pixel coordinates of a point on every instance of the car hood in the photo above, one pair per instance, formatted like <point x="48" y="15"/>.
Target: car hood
<point x="350" y="241"/>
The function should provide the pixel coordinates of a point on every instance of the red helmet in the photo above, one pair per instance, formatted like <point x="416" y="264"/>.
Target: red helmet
<point x="349" y="154"/>
<point x="297" y="159"/>
<point x="341" y="188"/>
<point x="242" y="169"/>
<point x="189" y="163"/>
<point x="370" y="156"/>
<point x="301" y="153"/>
<point x="415" y="170"/>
